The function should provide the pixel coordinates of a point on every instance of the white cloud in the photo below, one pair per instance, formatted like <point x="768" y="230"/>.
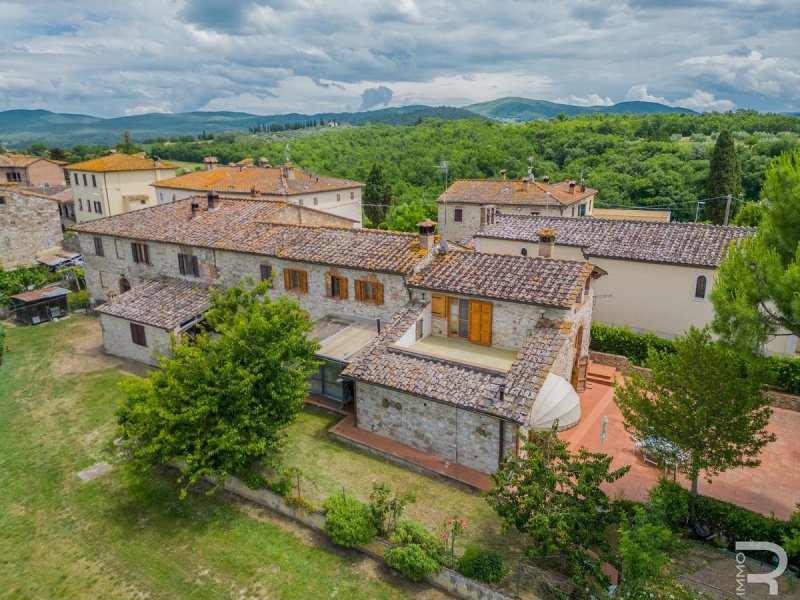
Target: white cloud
<point x="639" y="92"/>
<point x="590" y="100"/>
<point x="700" y="101"/>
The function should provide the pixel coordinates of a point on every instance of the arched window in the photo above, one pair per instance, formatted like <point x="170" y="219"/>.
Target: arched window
<point x="524" y="252"/>
<point x="124" y="285"/>
<point x="700" y="287"/>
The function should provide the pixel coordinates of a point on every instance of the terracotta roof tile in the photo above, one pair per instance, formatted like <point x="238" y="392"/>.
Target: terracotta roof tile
<point x="456" y="384"/>
<point x="672" y="243"/>
<point x="491" y="191"/>
<point x="19" y="160"/>
<point x="266" y="180"/>
<point x="120" y="162"/>
<point x="534" y="280"/>
<point x="162" y="303"/>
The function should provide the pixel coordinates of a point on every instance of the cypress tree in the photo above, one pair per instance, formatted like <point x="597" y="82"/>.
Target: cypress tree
<point x="377" y="195"/>
<point x="724" y="177"/>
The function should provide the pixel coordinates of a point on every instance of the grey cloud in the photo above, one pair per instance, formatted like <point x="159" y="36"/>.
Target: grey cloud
<point x="373" y="97"/>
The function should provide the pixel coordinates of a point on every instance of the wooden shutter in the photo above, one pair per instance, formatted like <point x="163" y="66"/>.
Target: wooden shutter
<point x="146" y="253"/>
<point x="181" y="264"/>
<point x="195" y="267"/>
<point x="342" y="288"/>
<point x="438" y="305"/>
<point x="304" y="281"/>
<point x="329" y="286"/>
<point x="379" y="294"/>
<point x="480" y="322"/>
<point x="359" y="291"/>
<point x="287" y="279"/>
<point x="134" y="253"/>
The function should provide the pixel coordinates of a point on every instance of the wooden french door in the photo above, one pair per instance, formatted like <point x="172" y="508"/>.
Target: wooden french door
<point x="470" y="320"/>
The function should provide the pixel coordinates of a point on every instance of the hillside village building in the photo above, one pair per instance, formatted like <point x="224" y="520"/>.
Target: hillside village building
<point x="469" y="205"/>
<point x="30" y="223"/>
<point x="660" y="275"/>
<point x="334" y="195"/>
<point x="62" y="194"/>
<point x="115" y="184"/>
<point x="449" y="352"/>
<point x="30" y="170"/>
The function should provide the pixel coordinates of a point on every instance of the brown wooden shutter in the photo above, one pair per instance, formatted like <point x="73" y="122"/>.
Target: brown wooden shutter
<point x="359" y="290"/>
<point x="343" y="287"/>
<point x="378" y="294"/>
<point x="486" y="323"/>
<point x="480" y="322"/>
<point x="146" y="253"/>
<point x="329" y="286"/>
<point x="181" y="264"/>
<point x="287" y="280"/>
<point x="304" y="281"/>
<point x="438" y="307"/>
<point x="134" y="253"/>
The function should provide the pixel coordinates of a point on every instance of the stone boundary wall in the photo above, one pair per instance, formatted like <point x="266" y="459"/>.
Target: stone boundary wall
<point x="447" y="579"/>
<point x="624" y="366"/>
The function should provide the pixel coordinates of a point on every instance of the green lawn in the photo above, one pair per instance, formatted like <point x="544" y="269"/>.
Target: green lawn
<point x="121" y="536"/>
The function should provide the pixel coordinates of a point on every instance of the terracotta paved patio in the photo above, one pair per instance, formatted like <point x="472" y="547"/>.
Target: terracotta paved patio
<point x="773" y="487"/>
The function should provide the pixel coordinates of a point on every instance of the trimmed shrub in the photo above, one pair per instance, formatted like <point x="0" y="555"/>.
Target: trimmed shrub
<point x="669" y="502"/>
<point x="630" y="344"/>
<point x="412" y="561"/>
<point x="409" y="531"/>
<point x="787" y="373"/>
<point x="298" y="502"/>
<point x="349" y="522"/>
<point x="482" y="564"/>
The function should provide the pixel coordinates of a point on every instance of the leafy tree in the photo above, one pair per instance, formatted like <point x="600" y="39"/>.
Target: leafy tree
<point x="705" y="399"/>
<point x="555" y="497"/>
<point x="126" y="146"/>
<point x="57" y="153"/>
<point x="405" y="216"/>
<point x="644" y="546"/>
<point x="219" y="405"/>
<point x="724" y="177"/>
<point x="377" y="195"/>
<point x="750" y="215"/>
<point x="758" y="284"/>
<point x="37" y="149"/>
<point x="387" y="507"/>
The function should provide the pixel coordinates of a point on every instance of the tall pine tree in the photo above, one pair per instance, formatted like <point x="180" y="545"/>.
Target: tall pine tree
<point x="724" y="178"/>
<point x="377" y="196"/>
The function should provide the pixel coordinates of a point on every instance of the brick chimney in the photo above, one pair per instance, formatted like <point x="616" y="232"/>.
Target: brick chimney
<point x="546" y="179"/>
<point x="287" y="170"/>
<point x="426" y="234"/>
<point x="547" y="239"/>
<point x="502" y="174"/>
<point x="571" y="187"/>
<point x="525" y="184"/>
<point x="263" y="162"/>
<point x="213" y="201"/>
<point x="195" y="208"/>
<point x="210" y="163"/>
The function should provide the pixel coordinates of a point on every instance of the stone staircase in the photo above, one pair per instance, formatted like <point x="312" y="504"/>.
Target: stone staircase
<point x="602" y="374"/>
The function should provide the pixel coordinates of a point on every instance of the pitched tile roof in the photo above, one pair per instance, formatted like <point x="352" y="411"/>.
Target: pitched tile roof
<point x="672" y="243"/>
<point x="245" y="225"/>
<point x="120" y="162"/>
<point x="59" y="193"/>
<point x="532" y="280"/>
<point x="266" y="180"/>
<point x="466" y="386"/>
<point x="162" y="303"/>
<point x="18" y="160"/>
<point x="492" y="191"/>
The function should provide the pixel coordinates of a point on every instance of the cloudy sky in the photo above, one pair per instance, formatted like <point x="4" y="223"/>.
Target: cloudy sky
<point x="272" y="56"/>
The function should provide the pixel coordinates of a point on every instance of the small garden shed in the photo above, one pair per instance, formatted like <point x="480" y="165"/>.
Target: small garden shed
<point x="39" y="306"/>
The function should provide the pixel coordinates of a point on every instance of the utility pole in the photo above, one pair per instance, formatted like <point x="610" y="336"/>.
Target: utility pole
<point x="728" y="199"/>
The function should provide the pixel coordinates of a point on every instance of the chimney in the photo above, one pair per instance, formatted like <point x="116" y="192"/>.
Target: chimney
<point x="288" y="170"/>
<point x="213" y="201"/>
<point x="157" y="162"/>
<point x="254" y="193"/>
<point x="426" y="235"/>
<point x="210" y="163"/>
<point x="546" y="179"/>
<point x="195" y="208"/>
<point x="583" y="187"/>
<point x="263" y="163"/>
<point x="571" y="187"/>
<point x="547" y="239"/>
<point x="502" y="174"/>
<point x="525" y="184"/>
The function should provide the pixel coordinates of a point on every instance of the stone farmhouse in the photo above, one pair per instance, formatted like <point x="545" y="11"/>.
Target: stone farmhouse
<point x="30" y="223"/>
<point x="337" y="196"/>
<point x="30" y="170"/>
<point x="115" y="184"/>
<point x="449" y="352"/>
<point x="660" y="274"/>
<point x="469" y="205"/>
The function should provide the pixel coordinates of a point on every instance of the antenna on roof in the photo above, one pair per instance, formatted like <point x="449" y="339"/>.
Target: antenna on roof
<point x="530" y="169"/>
<point x="445" y="169"/>
<point x="286" y="147"/>
<point x="444" y="245"/>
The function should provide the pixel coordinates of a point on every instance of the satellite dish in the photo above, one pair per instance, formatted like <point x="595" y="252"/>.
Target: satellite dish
<point x="443" y="245"/>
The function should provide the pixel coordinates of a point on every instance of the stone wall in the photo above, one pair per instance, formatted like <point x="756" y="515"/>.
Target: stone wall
<point x="117" y="340"/>
<point x="28" y="225"/>
<point x="468" y="438"/>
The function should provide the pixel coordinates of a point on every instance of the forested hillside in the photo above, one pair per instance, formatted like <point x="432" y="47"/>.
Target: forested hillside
<point x="634" y="160"/>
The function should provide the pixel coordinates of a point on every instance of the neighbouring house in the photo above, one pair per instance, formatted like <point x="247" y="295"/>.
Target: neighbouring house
<point x="335" y="195"/>
<point x="61" y="194"/>
<point x="489" y="348"/>
<point x="40" y="306"/>
<point x="29" y="224"/>
<point x="115" y="184"/>
<point x="469" y="205"/>
<point x="30" y="170"/>
<point x="660" y="275"/>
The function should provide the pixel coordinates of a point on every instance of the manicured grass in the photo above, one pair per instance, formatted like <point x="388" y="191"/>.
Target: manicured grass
<point x="120" y="535"/>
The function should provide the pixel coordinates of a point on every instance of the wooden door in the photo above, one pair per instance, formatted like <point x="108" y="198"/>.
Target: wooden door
<point x="480" y="322"/>
<point x="579" y="373"/>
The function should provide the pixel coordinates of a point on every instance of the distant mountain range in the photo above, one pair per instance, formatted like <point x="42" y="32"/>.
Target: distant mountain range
<point x="20" y="128"/>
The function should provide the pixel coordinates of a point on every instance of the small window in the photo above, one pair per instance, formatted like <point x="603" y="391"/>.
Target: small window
<point x="75" y="176"/>
<point x="80" y="202"/>
<point x="369" y="292"/>
<point x="2" y="199"/>
<point x="266" y="272"/>
<point x="124" y="285"/>
<point x="300" y="202"/>
<point x="160" y="196"/>
<point x="315" y="201"/>
<point x="524" y="252"/>
<point x="98" y="208"/>
<point x="582" y="210"/>
<point x="336" y="287"/>
<point x="573" y="211"/>
<point x="535" y="213"/>
<point x="84" y="180"/>
<point x="140" y="253"/>
<point x="187" y="265"/>
<point x="94" y="181"/>
<point x="119" y="248"/>
<point x="174" y="197"/>
<point x="458" y="215"/>
<point x="700" y="287"/>
<point x="338" y="197"/>
<point x="137" y="335"/>
<point x="98" y="247"/>
<point x="89" y="205"/>
<point x="295" y="280"/>
<point x="352" y="195"/>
